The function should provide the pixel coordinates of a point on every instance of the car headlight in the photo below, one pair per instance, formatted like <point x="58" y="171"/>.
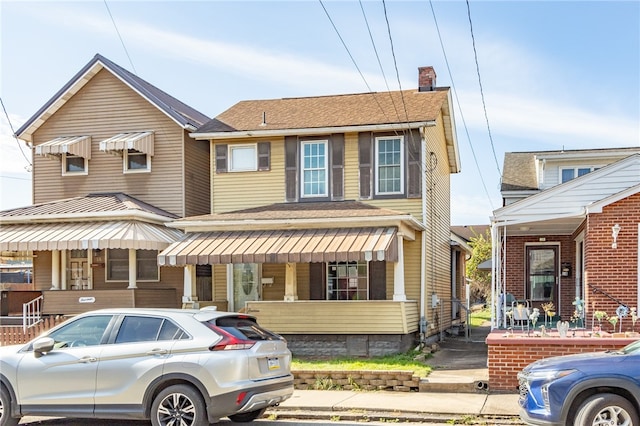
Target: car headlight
<point x="548" y="377"/>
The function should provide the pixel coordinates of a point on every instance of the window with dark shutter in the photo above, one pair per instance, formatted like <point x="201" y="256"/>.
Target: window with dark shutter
<point x="221" y="158"/>
<point x="414" y="154"/>
<point x="264" y="156"/>
<point x="291" y="168"/>
<point x="337" y="167"/>
<point x="378" y="280"/>
<point x="365" y="162"/>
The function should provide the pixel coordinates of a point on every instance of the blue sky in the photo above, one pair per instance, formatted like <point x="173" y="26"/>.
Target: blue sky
<point x="555" y="74"/>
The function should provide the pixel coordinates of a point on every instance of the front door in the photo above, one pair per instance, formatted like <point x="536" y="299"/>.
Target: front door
<point x="542" y="274"/>
<point x="78" y="272"/>
<point x="245" y="284"/>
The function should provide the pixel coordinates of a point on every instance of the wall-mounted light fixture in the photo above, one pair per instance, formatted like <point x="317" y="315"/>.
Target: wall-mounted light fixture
<point x="615" y="230"/>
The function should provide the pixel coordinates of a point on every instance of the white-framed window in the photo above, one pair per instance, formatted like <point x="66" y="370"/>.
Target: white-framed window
<point x="347" y="281"/>
<point x="74" y="165"/>
<point x="389" y="165"/>
<point x="117" y="265"/>
<point x="566" y="174"/>
<point x="135" y="161"/>
<point x="243" y="158"/>
<point x="314" y="173"/>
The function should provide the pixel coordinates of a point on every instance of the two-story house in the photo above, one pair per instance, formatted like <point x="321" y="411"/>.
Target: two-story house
<point x="568" y="228"/>
<point x="330" y="217"/>
<point x="113" y="162"/>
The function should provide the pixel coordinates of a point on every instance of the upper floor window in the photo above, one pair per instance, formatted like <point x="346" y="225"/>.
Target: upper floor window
<point x="74" y="165"/>
<point x="136" y="161"/>
<point x="389" y="165"/>
<point x="243" y="158"/>
<point x="314" y="172"/>
<point x="574" y="172"/>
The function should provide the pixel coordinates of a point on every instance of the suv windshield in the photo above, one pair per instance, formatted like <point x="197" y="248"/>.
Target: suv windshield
<point x="632" y="348"/>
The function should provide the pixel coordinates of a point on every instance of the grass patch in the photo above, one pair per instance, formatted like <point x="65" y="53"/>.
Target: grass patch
<point x="390" y="362"/>
<point x="478" y="318"/>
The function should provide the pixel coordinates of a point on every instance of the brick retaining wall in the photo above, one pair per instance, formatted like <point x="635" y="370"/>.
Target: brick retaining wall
<point x="403" y="381"/>
<point x="509" y="355"/>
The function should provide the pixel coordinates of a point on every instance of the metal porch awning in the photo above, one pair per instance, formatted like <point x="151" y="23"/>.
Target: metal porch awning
<point x="74" y="145"/>
<point x="283" y="246"/>
<point x="87" y="235"/>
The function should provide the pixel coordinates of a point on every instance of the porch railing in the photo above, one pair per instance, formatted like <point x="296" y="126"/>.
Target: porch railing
<point x="31" y="313"/>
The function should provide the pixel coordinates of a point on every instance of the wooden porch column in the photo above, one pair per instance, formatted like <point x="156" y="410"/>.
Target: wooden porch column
<point x="398" y="273"/>
<point x="63" y="269"/>
<point x="189" y="285"/>
<point x="55" y="270"/>
<point x="133" y="268"/>
<point x="290" y="283"/>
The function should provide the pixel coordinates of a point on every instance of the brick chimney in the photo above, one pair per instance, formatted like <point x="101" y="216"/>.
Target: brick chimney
<point x="426" y="79"/>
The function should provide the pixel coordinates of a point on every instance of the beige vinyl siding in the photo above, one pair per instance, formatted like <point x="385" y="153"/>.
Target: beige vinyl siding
<point x="197" y="177"/>
<point x="241" y="190"/>
<point x="220" y="282"/>
<point x="351" y="167"/>
<point x="42" y="270"/>
<point x="103" y="108"/>
<point x="438" y="245"/>
<point x="337" y="317"/>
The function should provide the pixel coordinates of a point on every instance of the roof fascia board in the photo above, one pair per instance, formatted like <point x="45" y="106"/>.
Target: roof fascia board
<point x="599" y="205"/>
<point x="524" y="219"/>
<point x="564" y="187"/>
<point x="84" y="217"/>
<point x="568" y="155"/>
<point x="311" y="131"/>
<point x="407" y="221"/>
<point x="455" y="168"/>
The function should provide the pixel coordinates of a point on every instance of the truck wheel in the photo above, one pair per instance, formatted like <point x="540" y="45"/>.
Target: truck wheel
<point x="606" y="409"/>
<point x="179" y="405"/>
<point x="5" y="409"/>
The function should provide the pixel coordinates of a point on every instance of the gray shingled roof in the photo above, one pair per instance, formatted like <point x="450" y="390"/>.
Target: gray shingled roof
<point x="330" y="111"/>
<point x="84" y="206"/>
<point x="183" y="114"/>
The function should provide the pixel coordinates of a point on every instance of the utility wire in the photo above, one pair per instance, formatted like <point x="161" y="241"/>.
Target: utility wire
<point x="120" y="37"/>
<point x="455" y="93"/>
<point x="395" y="63"/>
<point x="13" y="133"/>
<point x="484" y="106"/>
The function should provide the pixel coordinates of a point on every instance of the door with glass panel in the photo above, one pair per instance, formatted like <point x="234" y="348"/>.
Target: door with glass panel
<point x="246" y="284"/>
<point x="542" y="274"/>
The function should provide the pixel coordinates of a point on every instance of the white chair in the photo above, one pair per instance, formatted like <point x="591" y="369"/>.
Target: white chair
<point x="520" y="314"/>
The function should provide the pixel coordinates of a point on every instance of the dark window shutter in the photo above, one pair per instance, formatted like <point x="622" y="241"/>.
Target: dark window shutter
<point x="221" y="158"/>
<point x="337" y="167"/>
<point x="413" y="142"/>
<point x="264" y="156"/>
<point x="365" y="161"/>
<point x="317" y="281"/>
<point x="291" y="168"/>
<point x="378" y="280"/>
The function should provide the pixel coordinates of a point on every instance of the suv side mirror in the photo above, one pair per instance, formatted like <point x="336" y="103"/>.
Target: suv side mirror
<point x="42" y="346"/>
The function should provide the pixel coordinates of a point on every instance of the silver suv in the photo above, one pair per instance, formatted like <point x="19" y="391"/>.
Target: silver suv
<point x="172" y="366"/>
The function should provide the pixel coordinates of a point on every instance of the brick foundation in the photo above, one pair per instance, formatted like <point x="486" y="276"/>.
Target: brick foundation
<point x="509" y="355"/>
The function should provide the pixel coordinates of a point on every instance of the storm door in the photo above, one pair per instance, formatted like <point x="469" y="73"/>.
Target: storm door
<point x="542" y="273"/>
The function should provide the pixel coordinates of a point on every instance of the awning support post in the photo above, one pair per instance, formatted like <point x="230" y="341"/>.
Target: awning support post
<point x="290" y="283"/>
<point x="133" y="270"/>
<point x="55" y="270"/>
<point x="398" y="273"/>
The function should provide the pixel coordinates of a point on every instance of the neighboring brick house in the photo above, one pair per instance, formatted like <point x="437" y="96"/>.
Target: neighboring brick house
<point x="569" y="228"/>
<point x="112" y="163"/>
<point x="330" y="218"/>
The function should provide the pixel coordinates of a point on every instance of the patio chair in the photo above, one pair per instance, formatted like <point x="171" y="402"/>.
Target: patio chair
<point x="520" y="312"/>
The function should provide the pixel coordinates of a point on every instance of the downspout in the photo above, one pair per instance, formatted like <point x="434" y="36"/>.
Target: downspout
<point x="423" y="250"/>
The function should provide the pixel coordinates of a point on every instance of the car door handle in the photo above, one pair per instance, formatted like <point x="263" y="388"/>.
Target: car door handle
<point x="88" y="359"/>
<point x="158" y="351"/>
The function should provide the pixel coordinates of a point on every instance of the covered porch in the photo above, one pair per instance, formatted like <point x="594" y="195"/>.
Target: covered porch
<point x="78" y="301"/>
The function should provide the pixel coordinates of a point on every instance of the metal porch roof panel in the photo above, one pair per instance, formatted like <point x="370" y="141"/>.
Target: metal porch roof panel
<point x="283" y="246"/>
<point x="87" y="235"/>
<point x="140" y="141"/>
<point x="74" y="145"/>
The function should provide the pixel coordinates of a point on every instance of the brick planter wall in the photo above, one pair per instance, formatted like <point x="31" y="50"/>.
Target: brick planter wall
<point x="403" y="381"/>
<point x="509" y="355"/>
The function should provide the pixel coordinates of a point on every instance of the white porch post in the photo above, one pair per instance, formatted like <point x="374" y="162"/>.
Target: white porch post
<point x="290" y="283"/>
<point x="55" y="270"/>
<point x="133" y="269"/>
<point x="398" y="273"/>
<point x="63" y="269"/>
<point x="189" y="284"/>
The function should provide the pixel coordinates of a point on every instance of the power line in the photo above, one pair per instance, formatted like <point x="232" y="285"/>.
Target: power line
<point x="13" y="133"/>
<point x="455" y="93"/>
<point x="120" y="37"/>
<point x="395" y="63"/>
<point x="484" y="106"/>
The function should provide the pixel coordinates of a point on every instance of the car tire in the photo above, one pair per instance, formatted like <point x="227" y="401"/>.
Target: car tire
<point x="606" y="408"/>
<point x="179" y="404"/>
<point x="247" y="417"/>
<point x="5" y="409"/>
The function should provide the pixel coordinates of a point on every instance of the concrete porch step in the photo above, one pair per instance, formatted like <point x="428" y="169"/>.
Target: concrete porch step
<point x="463" y="381"/>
